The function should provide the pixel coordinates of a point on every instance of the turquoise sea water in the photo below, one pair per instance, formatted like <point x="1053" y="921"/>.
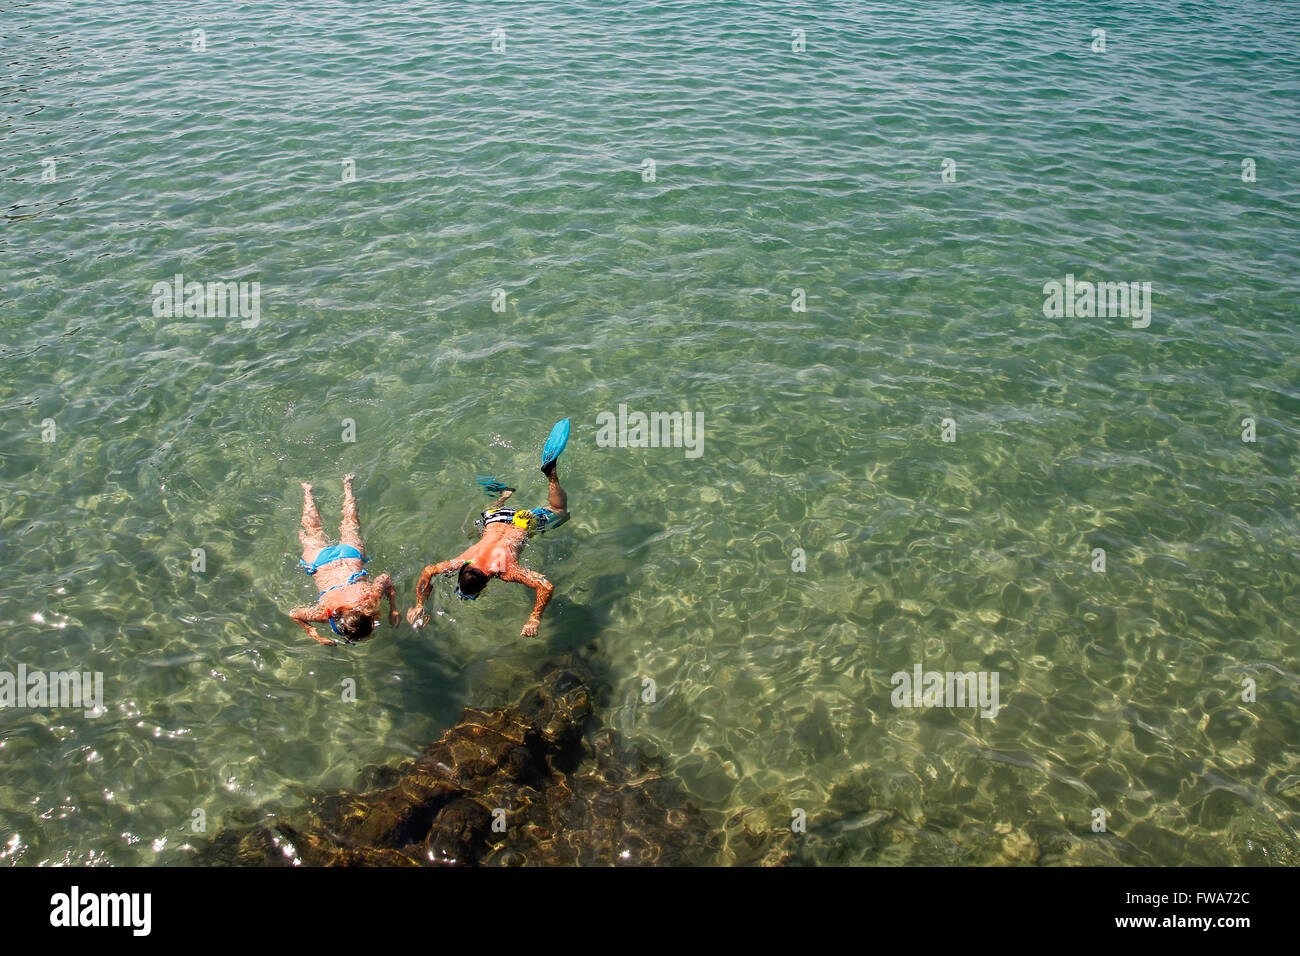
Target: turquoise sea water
<point x="774" y="169"/>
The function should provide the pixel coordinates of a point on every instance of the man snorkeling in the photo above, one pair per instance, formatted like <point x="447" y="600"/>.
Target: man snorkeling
<point x="496" y="553"/>
<point x="349" y="603"/>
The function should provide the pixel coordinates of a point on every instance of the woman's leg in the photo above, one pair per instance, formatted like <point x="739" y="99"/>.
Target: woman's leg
<point x="350" y="530"/>
<point x="312" y="534"/>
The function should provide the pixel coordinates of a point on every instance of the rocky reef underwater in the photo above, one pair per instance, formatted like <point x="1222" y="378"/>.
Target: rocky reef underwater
<point x="538" y="783"/>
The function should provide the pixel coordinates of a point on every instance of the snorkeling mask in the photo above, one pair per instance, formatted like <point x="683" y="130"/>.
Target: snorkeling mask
<point x="461" y="594"/>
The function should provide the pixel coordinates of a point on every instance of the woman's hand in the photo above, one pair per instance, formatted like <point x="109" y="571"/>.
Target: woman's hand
<point x="417" y="617"/>
<point x="320" y="640"/>
<point x="530" y="629"/>
<point x="304" y="616"/>
<point x="394" y="620"/>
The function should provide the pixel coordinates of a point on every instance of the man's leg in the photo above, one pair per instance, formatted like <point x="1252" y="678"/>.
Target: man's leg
<point x="350" y="530"/>
<point x="556" y="499"/>
<point x="312" y="534"/>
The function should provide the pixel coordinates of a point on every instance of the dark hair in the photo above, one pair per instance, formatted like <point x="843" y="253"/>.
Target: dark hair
<point x="355" y="625"/>
<point x="471" y="580"/>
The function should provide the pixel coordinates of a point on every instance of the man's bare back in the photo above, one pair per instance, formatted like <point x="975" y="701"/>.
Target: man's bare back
<point x="496" y="554"/>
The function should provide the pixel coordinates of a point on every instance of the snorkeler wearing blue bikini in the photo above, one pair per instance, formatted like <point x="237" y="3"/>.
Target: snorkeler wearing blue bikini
<point x="496" y="553"/>
<point x="347" y="601"/>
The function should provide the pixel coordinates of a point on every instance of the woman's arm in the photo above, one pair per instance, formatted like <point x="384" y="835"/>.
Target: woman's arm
<point x="385" y="585"/>
<point x="305" y="616"/>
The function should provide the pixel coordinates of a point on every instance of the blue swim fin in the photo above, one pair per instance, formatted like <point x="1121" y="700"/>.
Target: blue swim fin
<point x="491" y="485"/>
<point x="555" y="443"/>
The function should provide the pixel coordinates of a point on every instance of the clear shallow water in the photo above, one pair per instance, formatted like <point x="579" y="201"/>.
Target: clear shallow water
<point x="522" y="170"/>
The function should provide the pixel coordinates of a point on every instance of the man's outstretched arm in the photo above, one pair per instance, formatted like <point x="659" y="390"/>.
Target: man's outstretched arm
<point x="544" y="589"/>
<point x="425" y="586"/>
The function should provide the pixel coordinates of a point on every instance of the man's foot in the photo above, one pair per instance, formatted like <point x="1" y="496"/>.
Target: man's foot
<point x="549" y="469"/>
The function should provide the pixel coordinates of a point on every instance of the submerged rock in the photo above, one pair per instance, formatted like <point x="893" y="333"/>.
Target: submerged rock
<point x="519" y="785"/>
